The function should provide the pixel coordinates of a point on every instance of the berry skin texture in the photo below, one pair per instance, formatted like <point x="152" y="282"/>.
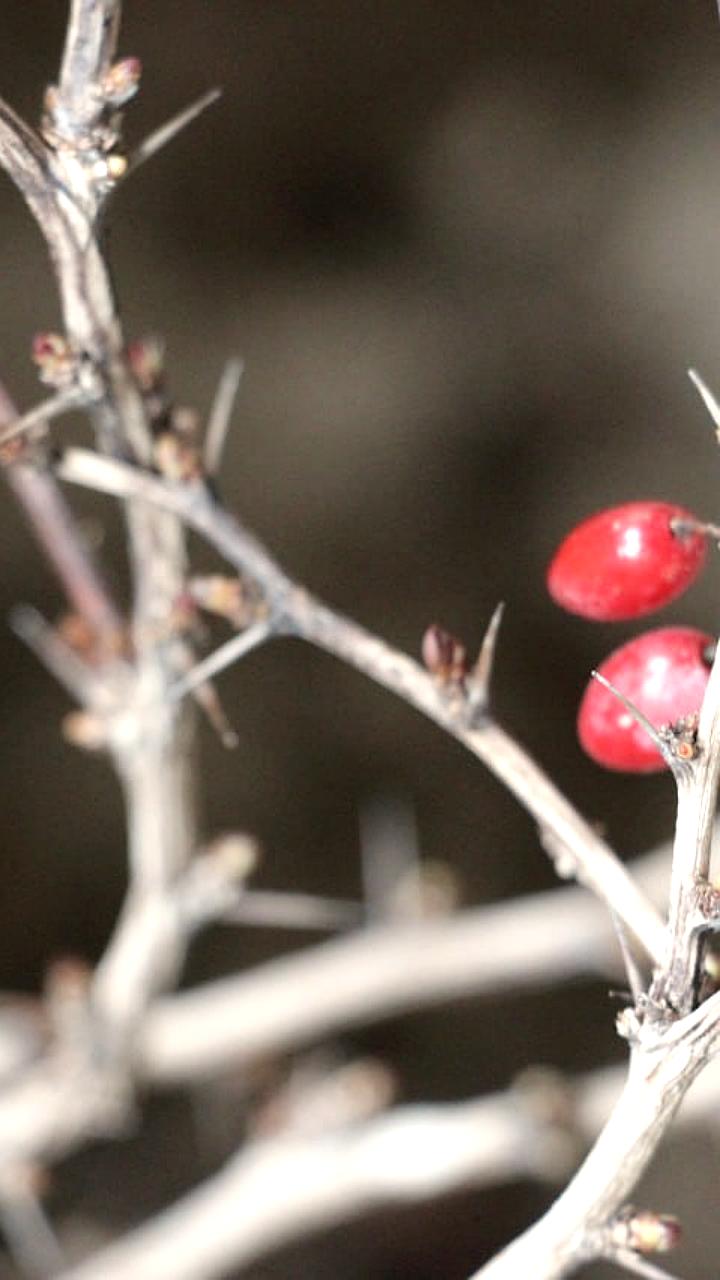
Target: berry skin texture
<point x="665" y="674"/>
<point x="626" y="562"/>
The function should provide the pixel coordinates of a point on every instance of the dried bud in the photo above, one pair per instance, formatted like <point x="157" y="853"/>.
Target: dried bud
<point x="239" y="854"/>
<point x="122" y="81"/>
<point x="68" y="978"/>
<point x="146" y="357"/>
<point x="84" y="730"/>
<point x="184" y="420"/>
<point x="223" y="596"/>
<point x="434" y="893"/>
<point x="176" y="460"/>
<point x="646" y="1232"/>
<point x="444" y="656"/>
<point x="79" y="636"/>
<point x="56" y="361"/>
<point x="110" y="169"/>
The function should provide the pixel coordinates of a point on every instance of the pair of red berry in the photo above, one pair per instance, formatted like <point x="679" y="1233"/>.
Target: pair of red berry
<point x="621" y="564"/>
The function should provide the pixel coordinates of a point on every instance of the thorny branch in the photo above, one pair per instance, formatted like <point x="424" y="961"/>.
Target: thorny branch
<point x="82" y="1084"/>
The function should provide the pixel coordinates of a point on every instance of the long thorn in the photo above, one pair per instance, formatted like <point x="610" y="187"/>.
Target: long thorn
<point x="228" y="653"/>
<point x="59" y="403"/>
<point x="634" y="976"/>
<point x="639" y="718"/>
<point x="481" y="674"/>
<point x="161" y="137"/>
<point x="709" y="400"/>
<point x="639" y="1266"/>
<point x="221" y="414"/>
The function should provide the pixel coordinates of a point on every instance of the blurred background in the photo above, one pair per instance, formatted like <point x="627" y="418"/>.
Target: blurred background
<point x="468" y="251"/>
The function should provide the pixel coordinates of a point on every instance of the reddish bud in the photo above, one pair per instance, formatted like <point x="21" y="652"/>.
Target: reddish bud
<point x="55" y="359"/>
<point x="146" y="358"/>
<point x="443" y="654"/>
<point x="122" y="81"/>
<point x="646" y="1232"/>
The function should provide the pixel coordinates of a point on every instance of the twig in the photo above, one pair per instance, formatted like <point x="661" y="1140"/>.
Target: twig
<point x="284" y="1188"/>
<point x="640" y="1266"/>
<point x="90" y="46"/>
<point x="58" y="658"/>
<point x="571" y="1233"/>
<point x="32" y="1241"/>
<point x="278" y="1190"/>
<point x="54" y="527"/>
<point x="55" y="405"/>
<point x="294" y="911"/>
<point x="509" y="946"/>
<point x="390" y="857"/>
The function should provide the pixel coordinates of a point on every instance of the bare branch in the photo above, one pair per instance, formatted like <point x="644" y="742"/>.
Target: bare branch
<point x="59" y="659"/>
<point x="662" y="1068"/>
<point x="60" y="402"/>
<point x="640" y="1266"/>
<point x="90" y="46"/>
<point x="294" y="911"/>
<point x="509" y="946"/>
<point x="598" y="867"/>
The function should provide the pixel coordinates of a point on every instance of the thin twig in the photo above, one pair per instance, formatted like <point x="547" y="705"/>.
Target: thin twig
<point x="294" y="911"/>
<point x="56" y="656"/>
<point x="506" y="947"/>
<point x="55" y="405"/>
<point x="640" y="1266"/>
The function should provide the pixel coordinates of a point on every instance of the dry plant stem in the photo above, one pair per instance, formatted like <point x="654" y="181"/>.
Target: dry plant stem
<point x="52" y="522"/>
<point x="47" y="1110"/>
<point x="151" y="751"/>
<point x="278" y="1190"/>
<point x="697" y="805"/>
<point x="221" y="1025"/>
<point x="90" y="46"/>
<point x="298" y="613"/>
<point x="574" y="1230"/>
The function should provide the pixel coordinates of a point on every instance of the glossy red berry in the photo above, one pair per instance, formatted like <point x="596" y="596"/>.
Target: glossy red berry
<point x="664" y="673"/>
<point x="626" y="561"/>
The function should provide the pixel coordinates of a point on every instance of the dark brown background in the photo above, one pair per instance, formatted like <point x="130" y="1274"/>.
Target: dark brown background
<point x="468" y="250"/>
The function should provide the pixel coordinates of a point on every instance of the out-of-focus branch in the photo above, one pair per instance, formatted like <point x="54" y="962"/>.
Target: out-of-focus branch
<point x="528" y="942"/>
<point x="278" y="1190"/>
<point x="52" y="522"/>
<point x="295" y="611"/>
<point x="90" y="46"/>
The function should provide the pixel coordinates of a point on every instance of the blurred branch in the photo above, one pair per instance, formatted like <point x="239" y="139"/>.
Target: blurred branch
<point x="519" y="944"/>
<point x="280" y="1189"/>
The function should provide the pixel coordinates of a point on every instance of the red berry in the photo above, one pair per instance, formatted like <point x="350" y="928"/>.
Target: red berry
<point x="625" y="562"/>
<point x="664" y="673"/>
